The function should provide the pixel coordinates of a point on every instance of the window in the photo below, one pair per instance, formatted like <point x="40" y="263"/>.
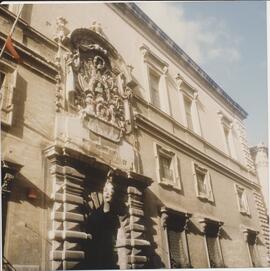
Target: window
<point x="211" y="229"/>
<point x="242" y="200"/>
<point x="188" y="103"/>
<point x="175" y="224"/>
<point x="155" y="72"/>
<point x="251" y="240"/>
<point x="227" y="133"/>
<point x="202" y="183"/>
<point x="25" y="9"/>
<point x="7" y="84"/>
<point x="227" y="130"/>
<point x="154" y="88"/>
<point x="167" y="166"/>
<point x="166" y="171"/>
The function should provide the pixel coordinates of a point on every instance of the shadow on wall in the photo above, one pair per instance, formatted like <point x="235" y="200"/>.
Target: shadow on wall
<point x="24" y="190"/>
<point x="19" y="98"/>
<point x="151" y="214"/>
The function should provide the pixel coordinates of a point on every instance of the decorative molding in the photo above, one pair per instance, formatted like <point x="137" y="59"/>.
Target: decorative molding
<point x="157" y="131"/>
<point x="206" y="222"/>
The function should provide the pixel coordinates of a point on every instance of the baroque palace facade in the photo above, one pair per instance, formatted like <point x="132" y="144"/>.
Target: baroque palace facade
<point x="118" y="151"/>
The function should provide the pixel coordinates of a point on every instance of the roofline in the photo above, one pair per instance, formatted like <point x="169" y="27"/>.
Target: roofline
<point x="137" y="12"/>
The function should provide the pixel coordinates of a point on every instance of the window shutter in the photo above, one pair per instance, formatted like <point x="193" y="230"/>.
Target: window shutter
<point x="177" y="252"/>
<point x="213" y="252"/>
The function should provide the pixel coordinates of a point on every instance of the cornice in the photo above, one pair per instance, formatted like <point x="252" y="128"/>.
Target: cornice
<point x="31" y="59"/>
<point x="26" y="27"/>
<point x="132" y="9"/>
<point x="181" y="126"/>
<point x="163" y="135"/>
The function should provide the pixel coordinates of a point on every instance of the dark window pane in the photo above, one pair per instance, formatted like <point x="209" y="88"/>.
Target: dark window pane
<point x="201" y="183"/>
<point x="177" y="253"/>
<point x="214" y="252"/>
<point x="165" y="167"/>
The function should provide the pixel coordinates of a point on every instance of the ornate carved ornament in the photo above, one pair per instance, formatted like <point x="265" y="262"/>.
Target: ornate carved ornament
<point x="98" y="84"/>
<point x="178" y="217"/>
<point x="208" y="225"/>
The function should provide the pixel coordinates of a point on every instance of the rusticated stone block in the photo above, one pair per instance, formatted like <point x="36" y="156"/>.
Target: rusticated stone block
<point x="65" y="235"/>
<point x="61" y="216"/>
<point x="138" y="266"/>
<point x="134" y="190"/>
<point x="57" y="265"/>
<point x="73" y="172"/>
<point x="136" y="227"/>
<point x="69" y="265"/>
<point x="56" y="169"/>
<point x="72" y="198"/>
<point x="135" y="203"/>
<point x="137" y="235"/>
<point x="75" y="226"/>
<point x="136" y="212"/>
<point x="70" y="207"/>
<point x="72" y="245"/>
<point x="65" y="197"/>
<point x="137" y="259"/>
<point x="139" y="242"/>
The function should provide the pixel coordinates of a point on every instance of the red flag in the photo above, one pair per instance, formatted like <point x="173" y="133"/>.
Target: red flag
<point x="12" y="50"/>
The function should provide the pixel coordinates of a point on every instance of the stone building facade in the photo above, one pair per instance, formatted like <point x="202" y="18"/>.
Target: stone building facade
<point x="118" y="151"/>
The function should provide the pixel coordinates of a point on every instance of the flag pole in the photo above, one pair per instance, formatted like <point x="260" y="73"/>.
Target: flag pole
<point x="11" y="30"/>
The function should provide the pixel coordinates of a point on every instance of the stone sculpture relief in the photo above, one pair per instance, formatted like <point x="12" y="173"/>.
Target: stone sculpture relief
<point x="96" y="88"/>
<point x="103" y="224"/>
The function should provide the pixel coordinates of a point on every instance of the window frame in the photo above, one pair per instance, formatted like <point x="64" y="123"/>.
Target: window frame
<point x="209" y="196"/>
<point x="165" y="214"/>
<point x="227" y="123"/>
<point x="175" y="164"/>
<point x="7" y="92"/>
<point x="248" y="233"/>
<point x="153" y="63"/>
<point x="204" y="224"/>
<point x="246" y="210"/>
<point x="189" y="93"/>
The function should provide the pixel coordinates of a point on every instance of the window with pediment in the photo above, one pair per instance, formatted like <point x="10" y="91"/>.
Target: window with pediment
<point x="155" y="71"/>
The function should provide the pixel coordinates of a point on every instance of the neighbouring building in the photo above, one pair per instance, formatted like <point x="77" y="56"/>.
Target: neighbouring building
<point x="118" y="150"/>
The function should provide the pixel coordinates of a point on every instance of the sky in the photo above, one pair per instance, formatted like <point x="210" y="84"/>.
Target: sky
<point x="228" y="41"/>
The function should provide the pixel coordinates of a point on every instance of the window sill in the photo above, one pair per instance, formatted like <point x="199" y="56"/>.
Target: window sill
<point x="169" y="184"/>
<point x="204" y="198"/>
<point x="245" y="213"/>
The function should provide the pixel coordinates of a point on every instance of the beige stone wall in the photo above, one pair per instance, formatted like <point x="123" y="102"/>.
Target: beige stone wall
<point x="224" y="208"/>
<point x="31" y="132"/>
<point x="208" y="104"/>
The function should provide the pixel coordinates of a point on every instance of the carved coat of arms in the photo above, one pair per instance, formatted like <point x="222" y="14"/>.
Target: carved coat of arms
<point x="97" y="85"/>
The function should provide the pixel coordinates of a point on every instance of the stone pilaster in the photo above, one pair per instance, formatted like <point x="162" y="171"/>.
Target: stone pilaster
<point x="67" y="219"/>
<point x="135" y="230"/>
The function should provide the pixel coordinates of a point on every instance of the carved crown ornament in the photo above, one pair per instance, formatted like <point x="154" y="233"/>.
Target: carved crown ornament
<point x="98" y="84"/>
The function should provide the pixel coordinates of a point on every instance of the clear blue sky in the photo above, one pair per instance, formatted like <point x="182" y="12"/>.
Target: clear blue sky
<point x="228" y="40"/>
